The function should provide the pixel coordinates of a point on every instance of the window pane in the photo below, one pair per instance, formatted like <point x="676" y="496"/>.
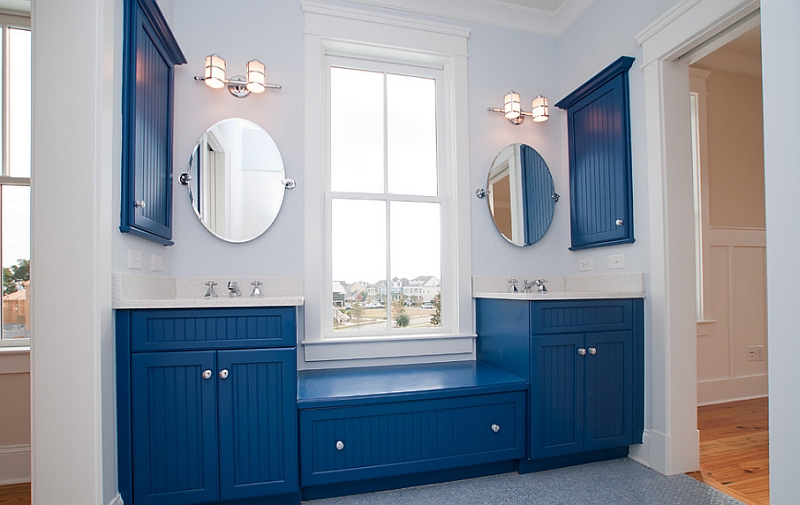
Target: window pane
<point x="359" y="264"/>
<point x="16" y="253"/>
<point x="356" y="130"/>
<point x="411" y="125"/>
<point x="416" y="264"/>
<point x="19" y="94"/>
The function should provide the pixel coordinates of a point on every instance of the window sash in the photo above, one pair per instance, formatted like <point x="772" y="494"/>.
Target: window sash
<point x="447" y="299"/>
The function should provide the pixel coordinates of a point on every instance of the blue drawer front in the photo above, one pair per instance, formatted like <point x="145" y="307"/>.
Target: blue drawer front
<point x="158" y="330"/>
<point x="581" y="316"/>
<point x="410" y="437"/>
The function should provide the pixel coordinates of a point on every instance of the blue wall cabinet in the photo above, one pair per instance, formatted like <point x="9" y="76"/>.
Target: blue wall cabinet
<point x="601" y="194"/>
<point x="200" y="424"/>
<point x="150" y="55"/>
<point x="585" y="363"/>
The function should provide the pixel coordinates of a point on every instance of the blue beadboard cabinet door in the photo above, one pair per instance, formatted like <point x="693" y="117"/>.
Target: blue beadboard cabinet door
<point x="599" y="138"/>
<point x="151" y="53"/>
<point x="557" y="396"/>
<point x="257" y="423"/>
<point x="609" y="390"/>
<point x="174" y="420"/>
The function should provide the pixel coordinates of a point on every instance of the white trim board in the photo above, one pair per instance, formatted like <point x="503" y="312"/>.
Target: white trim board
<point x="15" y="464"/>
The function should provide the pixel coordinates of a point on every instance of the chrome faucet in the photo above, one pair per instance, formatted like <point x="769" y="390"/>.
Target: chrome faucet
<point x="513" y="287"/>
<point x="256" y="289"/>
<point x="540" y="283"/>
<point x="233" y="287"/>
<point x="526" y="288"/>
<point x="210" y="293"/>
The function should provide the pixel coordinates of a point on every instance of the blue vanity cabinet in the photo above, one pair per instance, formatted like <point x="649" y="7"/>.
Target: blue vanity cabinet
<point x="599" y="138"/>
<point x="150" y="55"/>
<point x="205" y="413"/>
<point x="585" y="363"/>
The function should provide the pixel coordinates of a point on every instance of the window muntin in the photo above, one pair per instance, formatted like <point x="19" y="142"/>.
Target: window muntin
<point x="15" y="37"/>
<point x="386" y="232"/>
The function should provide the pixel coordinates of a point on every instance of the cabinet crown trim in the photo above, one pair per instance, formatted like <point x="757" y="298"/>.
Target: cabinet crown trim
<point x="622" y="64"/>
<point x="156" y="18"/>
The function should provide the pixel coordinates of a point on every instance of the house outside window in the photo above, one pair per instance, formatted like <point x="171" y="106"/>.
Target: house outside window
<point x="15" y="179"/>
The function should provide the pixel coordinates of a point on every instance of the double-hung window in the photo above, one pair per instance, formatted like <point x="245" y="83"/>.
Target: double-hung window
<point x="15" y="178"/>
<point x="384" y="203"/>
<point x="387" y="243"/>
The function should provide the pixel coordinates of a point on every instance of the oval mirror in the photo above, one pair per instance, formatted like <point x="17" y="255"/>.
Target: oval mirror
<point x="236" y="180"/>
<point x="521" y="194"/>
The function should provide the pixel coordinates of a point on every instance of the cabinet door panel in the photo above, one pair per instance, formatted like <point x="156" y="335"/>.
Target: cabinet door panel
<point x="174" y="428"/>
<point x="609" y="390"/>
<point x="258" y="423"/>
<point x="557" y="378"/>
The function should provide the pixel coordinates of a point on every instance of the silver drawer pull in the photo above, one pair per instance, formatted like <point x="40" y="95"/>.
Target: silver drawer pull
<point x="592" y="351"/>
<point x="339" y="445"/>
<point x="582" y="351"/>
<point x="207" y="374"/>
<point x="223" y="374"/>
<point x="495" y="428"/>
<point x="620" y="222"/>
<point x="139" y="204"/>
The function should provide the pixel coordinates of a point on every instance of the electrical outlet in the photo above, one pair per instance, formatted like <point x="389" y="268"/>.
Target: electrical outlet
<point x="616" y="261"/>
<point x="156" y="263"/>
<point x="586" y="264"/>
<point x="751" y="353"/>
<point x="134" y="259"/>
<point x="759" y="353"/>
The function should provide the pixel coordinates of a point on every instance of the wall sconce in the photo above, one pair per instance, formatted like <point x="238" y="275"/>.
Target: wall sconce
<point x="513" y="110"/>
<point x="239" y="86"/>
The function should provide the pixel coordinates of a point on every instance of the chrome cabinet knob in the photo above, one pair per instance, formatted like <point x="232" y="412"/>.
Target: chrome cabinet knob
<point x="592" y="351"/>
<point x="207" y="374"/>
<point x="223" y="374"/>
<point x="139" y="204"/>
<point x="495" y="428"/>
<point x="582" y="351"/>
<point x="339" y="445"/>
<point x="620" y="222"/>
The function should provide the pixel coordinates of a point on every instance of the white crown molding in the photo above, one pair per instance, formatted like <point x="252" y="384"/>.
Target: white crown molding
<point x="494" y="13"/>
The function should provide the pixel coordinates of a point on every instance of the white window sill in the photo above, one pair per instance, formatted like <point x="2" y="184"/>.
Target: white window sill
<point x="392" y="347"/>
<point x="15" y="360"/>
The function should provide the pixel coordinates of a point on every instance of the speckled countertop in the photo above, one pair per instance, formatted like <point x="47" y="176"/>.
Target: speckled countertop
<point x="152" y="292"/>
<point x="574" y="287"/>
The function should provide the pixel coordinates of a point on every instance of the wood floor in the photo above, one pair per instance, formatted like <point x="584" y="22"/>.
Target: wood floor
<point x="734" y="449"/>
<point x="734" y="453"/>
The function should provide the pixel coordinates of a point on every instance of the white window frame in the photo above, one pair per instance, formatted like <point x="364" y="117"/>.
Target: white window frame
<point x="21" y="22"/>
<point x="333" y="31"/>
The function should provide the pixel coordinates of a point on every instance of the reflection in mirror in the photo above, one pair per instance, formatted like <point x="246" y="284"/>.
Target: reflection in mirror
<point x="521" y="194"/>
<point x="235" y="180"/>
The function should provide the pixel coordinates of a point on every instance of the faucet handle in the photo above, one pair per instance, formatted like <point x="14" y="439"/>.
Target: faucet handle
<point x="210" y="293"/>
<point x="256" y="289"/>
<point x="513" y="287"/>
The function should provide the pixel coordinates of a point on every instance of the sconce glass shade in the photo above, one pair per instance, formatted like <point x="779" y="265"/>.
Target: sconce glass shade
<point x="539" y="110"/>
<point x="215" y="71"/>
<point x="256" y="77"/>
<point x="511" y="107"/>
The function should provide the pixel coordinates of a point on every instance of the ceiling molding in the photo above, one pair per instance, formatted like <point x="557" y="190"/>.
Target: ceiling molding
<point x="494" y="13"/>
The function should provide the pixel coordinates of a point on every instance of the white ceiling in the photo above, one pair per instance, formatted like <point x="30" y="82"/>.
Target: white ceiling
<point x="543" y="17"/>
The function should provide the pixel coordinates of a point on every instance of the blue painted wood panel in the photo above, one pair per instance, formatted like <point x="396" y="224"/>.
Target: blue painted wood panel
<point x="503" y="328"/>
<point x="409" y="437"/>
<point x="609" y="390"/>
<point x="557" y="392"/>
<point x="537" y="189"/>
<point x="203" y="329"/>
<point x="174" y="419"/>
<point x="601" y="191"/>
<point x="151" y="53"/>
<point x="257" y="423"/>
<point x="581" y="315"/>
<point x="387" y="384"/>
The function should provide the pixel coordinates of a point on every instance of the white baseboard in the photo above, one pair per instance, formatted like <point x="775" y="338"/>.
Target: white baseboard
<point x="730" y="390"/>
<point x="15" y="464"/>
<point x="116" y="501"/>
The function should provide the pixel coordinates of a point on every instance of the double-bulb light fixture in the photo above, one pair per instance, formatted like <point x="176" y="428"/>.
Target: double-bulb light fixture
<point x="512" y="109"/>
<point x="238" y="85"/>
